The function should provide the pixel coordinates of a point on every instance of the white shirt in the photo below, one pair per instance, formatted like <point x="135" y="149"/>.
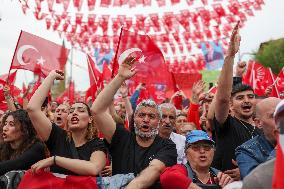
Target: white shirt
<point x="179" y="140"/>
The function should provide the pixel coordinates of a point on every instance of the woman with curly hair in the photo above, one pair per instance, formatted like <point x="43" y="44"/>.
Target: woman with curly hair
<point x="20" y="148"/>
<point x="75" y="151"/>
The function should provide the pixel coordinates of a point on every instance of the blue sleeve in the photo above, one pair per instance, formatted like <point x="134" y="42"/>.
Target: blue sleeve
<point x="134" y="98"/>
<point x="246" y="161"/>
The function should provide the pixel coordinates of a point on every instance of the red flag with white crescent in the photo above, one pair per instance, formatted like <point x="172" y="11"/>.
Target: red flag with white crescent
<point x="150" y="66"/>
<point x="38" y="55"/>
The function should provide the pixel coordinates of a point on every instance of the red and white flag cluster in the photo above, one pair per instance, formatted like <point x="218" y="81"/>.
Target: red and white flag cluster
<point x="260" y="78"/>
<point x="175" y="32"/>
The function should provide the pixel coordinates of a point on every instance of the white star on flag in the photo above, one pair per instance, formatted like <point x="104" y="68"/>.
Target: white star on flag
<point x="40" y="61"/>
<point x="142" y="59"/>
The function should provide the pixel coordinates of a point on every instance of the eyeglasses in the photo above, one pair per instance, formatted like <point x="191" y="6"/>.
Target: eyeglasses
<point x="197" y="147"/>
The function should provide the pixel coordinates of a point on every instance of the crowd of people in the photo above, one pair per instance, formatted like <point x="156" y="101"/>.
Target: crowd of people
<point x="222" y="140"/>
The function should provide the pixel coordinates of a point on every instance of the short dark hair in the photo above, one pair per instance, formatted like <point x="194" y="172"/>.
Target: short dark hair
<point x="240" y="87"/>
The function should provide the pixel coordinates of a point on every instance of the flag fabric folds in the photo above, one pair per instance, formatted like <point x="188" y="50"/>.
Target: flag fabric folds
<point x="278" y="181"/>
<point x="38" y="55"/>
<point x="10" y="79"/>
<point x="150" y="63"/>
<point x="35" y="181"/>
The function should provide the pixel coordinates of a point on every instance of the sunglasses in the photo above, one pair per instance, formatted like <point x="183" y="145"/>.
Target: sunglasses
<point x="197" y="147"/>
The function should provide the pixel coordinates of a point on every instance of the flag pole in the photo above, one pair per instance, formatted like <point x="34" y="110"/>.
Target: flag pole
<point x="8" y="78"/>
<point x="71" y="73"/>
<point x="115" y="58"/>
<point x="274" y="82"/>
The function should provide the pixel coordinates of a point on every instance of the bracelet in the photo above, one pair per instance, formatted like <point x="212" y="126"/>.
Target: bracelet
<point x="54" y="160"/>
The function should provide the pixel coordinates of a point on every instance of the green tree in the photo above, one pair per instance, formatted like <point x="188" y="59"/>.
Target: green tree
<point x="271" y="54"/>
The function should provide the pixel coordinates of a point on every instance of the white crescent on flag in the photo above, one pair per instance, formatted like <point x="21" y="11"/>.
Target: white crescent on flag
<point x="1" y="86"/>
<point x="126" y="53"/>
<point x="21" y="51"/>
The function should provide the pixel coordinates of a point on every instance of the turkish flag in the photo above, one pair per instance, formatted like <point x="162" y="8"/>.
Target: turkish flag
<point x="63" y="97"/>
<point x="10" y="76"/>
<point x="279" y="84"/>
<point x="3" y="106"/>
<point x="38" y="55"/>
<point x="3" y="82"/>
<point x="94" y="73"/>
<point x="35" y="181"/>
<point x="107" y="72"/>
<point x="278" y="181"/>
<point x="91" y="93"/>
<point x="150" y="66"/>
<point x="71" y="92"/>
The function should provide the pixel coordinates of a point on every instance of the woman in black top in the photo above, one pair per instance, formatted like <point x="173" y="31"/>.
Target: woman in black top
<point x="75" y="152"/>
<point x="20" y="148"/>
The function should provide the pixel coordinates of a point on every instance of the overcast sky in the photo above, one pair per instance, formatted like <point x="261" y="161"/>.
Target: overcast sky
<point x="265" y="25"/>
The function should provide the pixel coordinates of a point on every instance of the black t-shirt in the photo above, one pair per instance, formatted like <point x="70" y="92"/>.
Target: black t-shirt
<point x="228" y="137"/>
<point x="129" y="157"/>
<point x="59" y="144"/>
<point x="24" y="161"/>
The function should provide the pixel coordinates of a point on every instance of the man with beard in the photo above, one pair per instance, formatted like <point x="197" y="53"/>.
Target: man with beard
<point x="257" y="150"/>
<point x="234" y="108"/>
<point x="166" y="130"/>
<point x="143" y="153"/>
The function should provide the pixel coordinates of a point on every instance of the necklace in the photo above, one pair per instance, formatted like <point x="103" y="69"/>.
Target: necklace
<point x="250" y="132"/>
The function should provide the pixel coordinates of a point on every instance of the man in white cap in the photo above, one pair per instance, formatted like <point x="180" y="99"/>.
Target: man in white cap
<point x="261" y="177"/>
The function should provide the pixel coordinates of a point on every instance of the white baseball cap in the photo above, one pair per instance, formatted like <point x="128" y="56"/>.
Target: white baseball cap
<point x="279" y="108"/>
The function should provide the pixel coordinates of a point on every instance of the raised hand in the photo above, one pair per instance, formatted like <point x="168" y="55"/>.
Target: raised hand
<point x="234" y="44"/>
<point x="241" y="68"/>
<point x="123" y="90"/>
<point x="57" y="74"/>
<point x="198" y="88"/>
<point x="126" y="69"/>
<point x="6" y="89"/>
<point x="268" y="91"/>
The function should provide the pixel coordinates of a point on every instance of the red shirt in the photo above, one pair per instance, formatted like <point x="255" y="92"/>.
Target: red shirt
<point x="193" y="115"/>
<point x="175" y="177"/>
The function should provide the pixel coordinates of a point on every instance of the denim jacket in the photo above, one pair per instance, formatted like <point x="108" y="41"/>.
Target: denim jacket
<point x="252" y="153"/>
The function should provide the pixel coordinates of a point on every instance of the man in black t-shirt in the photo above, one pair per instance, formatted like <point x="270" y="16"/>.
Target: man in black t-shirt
<point x="234" y="107"/>
<point x="143" y="153"/>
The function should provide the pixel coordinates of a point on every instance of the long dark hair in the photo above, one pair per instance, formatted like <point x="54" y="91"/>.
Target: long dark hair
<point x="29" y="135"/>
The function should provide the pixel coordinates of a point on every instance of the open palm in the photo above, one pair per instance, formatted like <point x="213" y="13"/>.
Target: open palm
<point x="126" y="69"/>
